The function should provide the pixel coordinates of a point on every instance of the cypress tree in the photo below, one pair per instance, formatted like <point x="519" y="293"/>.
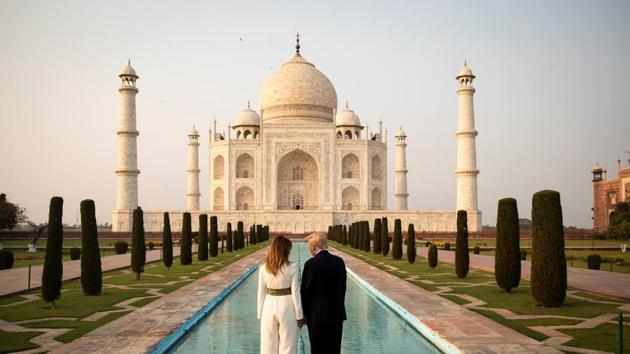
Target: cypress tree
<point x="329" y="234"/>
<point x="214" y="237"/>
<point x="433" y="256"/>
<point x="241" y="235"/>
<point x="229" y="235"/>
<point x="384" y="236"/>
<point x="507" y="261"/>
<point x="91" y="272"/>
<point x="344" y="235"/>
<point x="185" y="242"/>
<point x="223" y="236"/>
<point x="53" y="267"/>
<point x="549" y="264"/>
<point x="259" y="234"/>
<point x="350" y="233"/>
<point x="202" y="248"/>
<point x="378" y="243"/>
<point x="397" y="242"/>
<point x="368" y="241"/>
<point x="361" y="244"/>
<point x="138" y="247"/>
<point x="462" y="258"/>
<point x="167" y="242"/>
<point x="266" y="232"/>
<point x="252" y="235"/>
<point x="411" y="244"/>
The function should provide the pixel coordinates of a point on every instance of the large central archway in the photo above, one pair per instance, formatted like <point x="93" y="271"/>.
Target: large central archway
<point x="297" y="182"/>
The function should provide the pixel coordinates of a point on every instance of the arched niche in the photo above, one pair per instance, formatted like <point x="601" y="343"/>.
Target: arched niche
<point x="245" y="166"/>
<point x="377" y="168"/>
<point x="218" y="199"/>
<point x="244" y="198"/>
<point x="350" y="166"/>
<point x="218" y="167"/>
<point x="350" y="198"/>
<point x="297" y="175"/>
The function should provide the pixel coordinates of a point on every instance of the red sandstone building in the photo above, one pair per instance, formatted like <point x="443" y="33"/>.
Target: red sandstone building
<point x="607" y="193"/>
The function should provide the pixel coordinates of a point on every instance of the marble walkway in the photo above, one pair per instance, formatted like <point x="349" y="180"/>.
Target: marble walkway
<point x="16" y="280"/>
<point x="465" y="329"/>
<point x="600" y="282"/>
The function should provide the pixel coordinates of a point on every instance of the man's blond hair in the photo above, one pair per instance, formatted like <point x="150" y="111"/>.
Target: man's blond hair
<point x="317" y="241"/>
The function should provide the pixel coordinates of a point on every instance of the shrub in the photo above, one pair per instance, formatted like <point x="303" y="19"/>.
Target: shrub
<point x="214" y="237"/>
<point x="6" y="259"/>
<point x="411" y="244"/>
<point x="447" y="246"/>
<point x="384" y="236"/>
<point x="91" y="272"/>
<point x="229" y="244"/>
<point x="202" y="248"/>
<point x="167" y="242"/>
<point x="75" y="253"/>
<point x="329" y="234"/>
<point x="476" y="250"/>
<point x="138" y="247"/>
<point x="241" y="235"/>
<point x="53" y="267"/>
<point x="433" y="256"/>
<point x="259" y="233"/>
<point x="427" y="244"/>
<point x="523" y="255"/>
<point x="397" y="243"/>
<point x="151" y="246"/>
<point x="378" y="243"/>
<point x="594" y="261"/>
<point x="507" y="260"/>
<point x="462" y="258"/>
<point x="185" y="243"/>
<point x="121" y="247"/>
<point x="344" y="235"/>
<point x="549" y="265"/>
<point x="367" y="240"/>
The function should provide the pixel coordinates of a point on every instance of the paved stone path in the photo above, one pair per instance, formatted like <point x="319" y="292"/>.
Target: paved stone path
<point x="16" y="280"/>
<point x="142" y="329"/>
<point x="468" y="331"/>
<point x="596" y="281"/>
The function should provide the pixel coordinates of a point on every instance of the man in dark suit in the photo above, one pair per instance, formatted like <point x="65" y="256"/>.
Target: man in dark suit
<point x="323" y="293"/>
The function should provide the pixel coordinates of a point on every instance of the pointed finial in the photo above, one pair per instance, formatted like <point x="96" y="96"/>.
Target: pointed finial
<point x="248" y="106"/>
<point x="346" y="104"/>
<point x="129" y="61"/>
<point x="297" y="43"/>
<point x="464" y="62"/>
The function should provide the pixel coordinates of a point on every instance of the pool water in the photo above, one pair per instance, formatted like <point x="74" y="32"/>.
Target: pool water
<point x="371" y="327"/>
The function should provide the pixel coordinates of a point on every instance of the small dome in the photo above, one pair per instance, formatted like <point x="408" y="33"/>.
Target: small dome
<point x="193" y="132"/>
<point x="247" y="117"/>
<point x="465" y="71"/>
<point x="347" y="117"/>
<point x="128" y="71"/>
<point x="597" y="168"/>
<point x="401" y="132"/>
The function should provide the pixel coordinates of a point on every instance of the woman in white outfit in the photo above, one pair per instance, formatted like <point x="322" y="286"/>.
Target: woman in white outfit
<point x="279" y="302"/>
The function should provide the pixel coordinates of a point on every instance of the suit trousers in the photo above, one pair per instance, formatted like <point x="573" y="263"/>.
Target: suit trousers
<point x="326" y="339"/>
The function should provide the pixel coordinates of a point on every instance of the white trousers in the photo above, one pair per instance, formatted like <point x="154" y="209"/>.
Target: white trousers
<point x="278" y="326"/>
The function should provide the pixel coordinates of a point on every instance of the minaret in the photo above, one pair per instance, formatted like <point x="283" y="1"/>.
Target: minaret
<point x="127" y="168"/>
<point x="466" y="149"/>
<point x="400" y="187"/>
<point x="192" y="190"/>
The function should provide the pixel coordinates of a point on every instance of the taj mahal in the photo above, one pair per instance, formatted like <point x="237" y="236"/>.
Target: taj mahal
<point x="299" y="163"/>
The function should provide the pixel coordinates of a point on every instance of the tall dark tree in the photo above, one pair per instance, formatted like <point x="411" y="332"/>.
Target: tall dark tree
<point x="397" y="241"/>
<point x="11" y="214"/>
<point x="507" y="261"/>
<point x="368" y="240"/>
<point x="259" y="233"/>
<point x="433" y="256"/>
<point x="91" y="272"/>
<point x="266" y="233"/>
<point x="241" y="235"/>
<point x="378" y="243"/>
<point x="361" y="229"/>
<point x="329" y="234"/>
<point x="167" y="242"/>
<point x="344" y="235"/>
<point x="229" y="245"/>
<point x="351" y="235"/>
<point x="214" y="237"/>
<point x="411" y="244"/>
<point x="549" y="265"/>
<point x="138" y="247"/>
<point x="384" y="236"/>
<point x="53" y="268"/>
<point x="462" y="258"/>
<point x="185" y="242"/>
<point x="202" y="248"/>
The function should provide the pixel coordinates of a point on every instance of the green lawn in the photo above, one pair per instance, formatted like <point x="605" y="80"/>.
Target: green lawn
<point x="22" y="258"/>
<point x="519" y="301"/>
<point x="75" y="306"/>
<point x="527" y="243"/>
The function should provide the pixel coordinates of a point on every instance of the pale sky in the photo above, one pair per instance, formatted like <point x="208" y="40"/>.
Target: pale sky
<point x="552" y="90"/>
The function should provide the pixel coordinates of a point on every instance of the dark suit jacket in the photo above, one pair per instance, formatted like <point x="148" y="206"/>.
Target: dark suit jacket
<point x="324" y="289"/>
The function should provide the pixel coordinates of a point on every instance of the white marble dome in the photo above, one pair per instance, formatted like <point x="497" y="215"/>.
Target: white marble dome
<point x="298" y="89"/>
<point x="128" y="70"/>
<point x="465" y="71"/>
<point x="347" y="117"/>
<point x="247" y="117"/>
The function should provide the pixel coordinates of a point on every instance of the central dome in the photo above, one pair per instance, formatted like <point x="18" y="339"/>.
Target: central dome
<point x="298" y="90"/>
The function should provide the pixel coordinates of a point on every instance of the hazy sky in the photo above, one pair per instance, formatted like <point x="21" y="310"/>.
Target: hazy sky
<point x="552" y="90"/>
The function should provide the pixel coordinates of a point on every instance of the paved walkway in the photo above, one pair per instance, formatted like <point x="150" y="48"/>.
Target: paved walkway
<point x="16" y="280"/>
<point x="139" y="331"/>
<point x="466" y="330"/>
<point x="596" y="281"/>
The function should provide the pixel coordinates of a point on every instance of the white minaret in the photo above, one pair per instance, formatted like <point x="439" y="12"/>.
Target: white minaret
<point x="192" y="190"/>
<point x="466" y="149"/>
<point x="127" y="168"/>
<point x="400" y="173"/>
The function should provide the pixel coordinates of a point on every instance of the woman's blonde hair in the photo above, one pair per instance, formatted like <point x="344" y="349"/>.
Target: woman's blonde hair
<point x="278" y="254"/>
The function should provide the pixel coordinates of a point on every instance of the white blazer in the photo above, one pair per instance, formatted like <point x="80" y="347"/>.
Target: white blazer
<point x="286" y="277"/>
